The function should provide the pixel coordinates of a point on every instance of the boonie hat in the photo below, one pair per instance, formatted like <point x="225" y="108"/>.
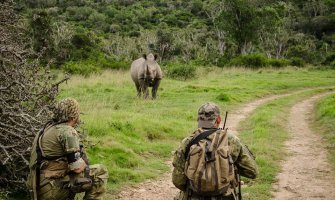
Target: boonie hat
<point x="66" y="109"/>
<point x="207" y="115"/>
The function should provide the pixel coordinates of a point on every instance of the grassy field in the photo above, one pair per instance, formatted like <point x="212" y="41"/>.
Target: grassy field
<point x="325" y="124"/>
<point x="133" y="137"/>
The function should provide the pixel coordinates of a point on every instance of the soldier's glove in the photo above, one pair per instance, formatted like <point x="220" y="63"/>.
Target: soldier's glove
<point x="81" y="185"/>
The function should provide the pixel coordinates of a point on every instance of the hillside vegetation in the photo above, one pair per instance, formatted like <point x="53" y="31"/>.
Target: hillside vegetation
<point x="87" y="35"/>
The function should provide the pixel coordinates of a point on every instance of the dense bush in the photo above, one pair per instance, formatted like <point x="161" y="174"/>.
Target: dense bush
<point x="298" y="62"/>
<point x="181" y="71"/>
<point x="332" y="65"/>
<point x="253" y="61"/>
<point x="278" y="63"/>
<point x="206" y="32"/>
<point x="111" y="64"/>
<point x="84" y="68"/>
<point x="329" y="59"/>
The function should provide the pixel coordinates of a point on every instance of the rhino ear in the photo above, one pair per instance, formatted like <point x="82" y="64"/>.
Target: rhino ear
<point x="156" y="56"/>
<point x="144" y="56"/>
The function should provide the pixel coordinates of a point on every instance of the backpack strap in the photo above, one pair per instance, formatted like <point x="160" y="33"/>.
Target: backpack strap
<point x="197" y="139"/>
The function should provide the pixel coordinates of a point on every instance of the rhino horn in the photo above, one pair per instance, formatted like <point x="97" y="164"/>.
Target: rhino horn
<point x="148" y="70"/>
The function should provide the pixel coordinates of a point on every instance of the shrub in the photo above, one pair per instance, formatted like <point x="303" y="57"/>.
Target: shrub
<point x="298" y="62"/>
<point x="112" y="64"/>
<point x="332" y="65"/>
<point x="329" y="59"/>
<point x="278" y="62"/>
<point x="181" y="71"/>
<point x="223" y="97"/>
<point x="84" y="68"/>
<point x="253" y="61"/>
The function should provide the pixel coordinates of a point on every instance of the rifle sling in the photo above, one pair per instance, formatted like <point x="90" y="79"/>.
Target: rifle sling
<point x="197" y="139"/>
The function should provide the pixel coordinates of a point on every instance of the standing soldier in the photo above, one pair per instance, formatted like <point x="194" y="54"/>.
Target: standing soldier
<point x="208" y="163"/>
<point x="58" y="166"/>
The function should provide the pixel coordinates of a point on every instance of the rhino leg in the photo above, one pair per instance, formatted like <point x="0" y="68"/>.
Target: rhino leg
<point x="155" y="88"/>
<point x="138" y="89"/>
<point x="144" y="88"/>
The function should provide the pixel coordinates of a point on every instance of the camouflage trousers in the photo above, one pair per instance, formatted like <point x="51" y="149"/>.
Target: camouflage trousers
<point x="53" y="189"/>
<point x="182" y="195"/>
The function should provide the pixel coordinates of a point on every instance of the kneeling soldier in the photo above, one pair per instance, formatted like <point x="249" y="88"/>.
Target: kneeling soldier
<point x="58" y="166"/>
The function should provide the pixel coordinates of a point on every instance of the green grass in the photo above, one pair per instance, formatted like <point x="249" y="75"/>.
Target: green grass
<point x="265" y="133"/>
<point x="325" y="124"/>
<point x="133" y="137"/>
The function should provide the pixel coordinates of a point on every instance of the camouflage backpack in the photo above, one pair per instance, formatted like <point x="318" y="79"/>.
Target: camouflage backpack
<point x="209" y="166"/>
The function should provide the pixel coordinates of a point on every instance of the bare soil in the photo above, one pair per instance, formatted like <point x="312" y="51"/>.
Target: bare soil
<point x="163" y="189"/>
<point x="306" y="173"/>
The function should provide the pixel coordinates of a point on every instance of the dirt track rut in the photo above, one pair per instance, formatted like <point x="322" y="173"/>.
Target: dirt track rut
<point x="306" y="172"/>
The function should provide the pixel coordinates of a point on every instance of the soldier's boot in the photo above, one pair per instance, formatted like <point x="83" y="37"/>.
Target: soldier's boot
<point x="99" y="176"/>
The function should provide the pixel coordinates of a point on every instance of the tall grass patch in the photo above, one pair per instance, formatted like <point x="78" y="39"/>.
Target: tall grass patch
<point x="325" y="123"/>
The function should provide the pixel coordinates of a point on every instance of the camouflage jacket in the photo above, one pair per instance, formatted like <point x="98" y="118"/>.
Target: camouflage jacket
<point x="56" y="142"/>
<point x="241" y="155"/>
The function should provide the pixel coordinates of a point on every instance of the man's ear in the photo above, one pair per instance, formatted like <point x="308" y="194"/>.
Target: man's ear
<point x="218" y="120"/>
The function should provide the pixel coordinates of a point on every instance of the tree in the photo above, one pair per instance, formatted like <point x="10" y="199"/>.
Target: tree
<point x="240" y="21"/>
<point x="27" y="94"/>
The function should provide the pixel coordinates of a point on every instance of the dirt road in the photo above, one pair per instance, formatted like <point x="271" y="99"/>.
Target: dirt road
<point x="163" y="189"/>
<point x="306" y="172"/>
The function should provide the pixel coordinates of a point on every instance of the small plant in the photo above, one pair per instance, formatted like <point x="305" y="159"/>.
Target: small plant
<point x="223" y="97"/>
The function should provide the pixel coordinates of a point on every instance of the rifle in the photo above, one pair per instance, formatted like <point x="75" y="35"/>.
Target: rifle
<point x="238" y="180"/>
<point x="84" y="157"/>
<point x="225" y="120"/>
<point x="81" y="184"/>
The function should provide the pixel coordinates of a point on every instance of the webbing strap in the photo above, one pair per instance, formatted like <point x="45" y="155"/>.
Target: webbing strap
<point x="38" y="163"/>
<point x="197" y="139"/>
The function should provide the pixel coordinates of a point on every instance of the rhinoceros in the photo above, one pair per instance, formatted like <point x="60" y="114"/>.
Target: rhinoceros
<point x="145" y="73"/>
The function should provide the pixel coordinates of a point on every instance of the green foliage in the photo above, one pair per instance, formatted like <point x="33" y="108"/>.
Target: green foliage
<point x="253" y="61"/>
<point x="213" y="31"/>
<point x="298" y="62"/>
<point x="329" y="59"/>
<point x="41" y="33"/>
<point x="278" y="63"/>
<point x="181" y="71"/>
<point x="332" y="65"/>
<point x="223" y="97"/>
<point x="82" y="67"/>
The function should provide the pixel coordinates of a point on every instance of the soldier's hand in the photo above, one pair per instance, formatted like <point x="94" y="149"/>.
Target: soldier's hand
<point x="78" y="166"/>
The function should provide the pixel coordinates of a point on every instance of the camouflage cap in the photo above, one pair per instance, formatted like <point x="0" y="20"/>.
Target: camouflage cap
<point x="66" y="109"/>
<point x="207" y="115"/>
